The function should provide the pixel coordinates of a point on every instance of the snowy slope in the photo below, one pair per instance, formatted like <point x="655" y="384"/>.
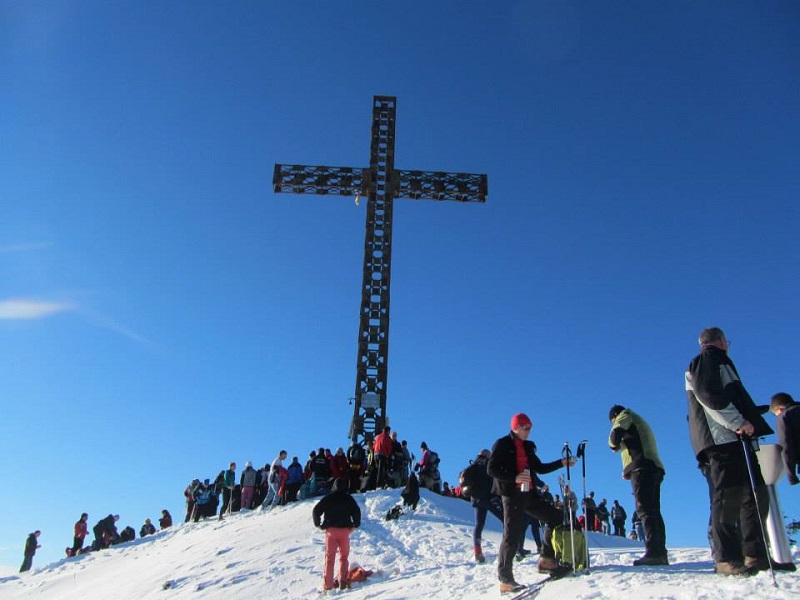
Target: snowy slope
<point x="422" y="555"/>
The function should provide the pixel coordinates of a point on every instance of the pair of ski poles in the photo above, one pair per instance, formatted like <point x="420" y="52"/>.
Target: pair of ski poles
<point x="581" y="454"/>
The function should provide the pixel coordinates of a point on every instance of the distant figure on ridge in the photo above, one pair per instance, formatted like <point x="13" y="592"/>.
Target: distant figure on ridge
<point x="165" y="520"/>
<point x="105" y="531"/>
<point x="147" y="528"/>
<point x="81" y="530"/>
<point x="227" y="484"/>
<point x="248" y="483"/>
<point x="31" y="545"/>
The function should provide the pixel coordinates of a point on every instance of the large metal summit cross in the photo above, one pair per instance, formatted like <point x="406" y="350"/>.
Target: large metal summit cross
<point x="381" y="183"/>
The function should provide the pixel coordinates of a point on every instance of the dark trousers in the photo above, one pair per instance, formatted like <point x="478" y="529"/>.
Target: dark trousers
<point x="226" y="500"/>
<point x="619" y="527"/>
<point x="382" y="464"/>
<point x="77" y="544"/>
<point x="515" y="511"/>
<point x="647" y="495"/>
<point x="189" y="510"/>
<point x="483" y="508"/>
<point x="27" y="562"/>
<point x="537" y="536"/>
<point x="735" y="528"/>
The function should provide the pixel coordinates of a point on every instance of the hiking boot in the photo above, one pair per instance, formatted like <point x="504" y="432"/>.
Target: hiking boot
<point x="734" y="568"/>
<point x="479" y="555"/>
<point x="511" y="587"/>
<point x="651" y="561"/>
<point x="344" y="585"/>
<point x="757" y="563"/>
<point x="547" y="565"/>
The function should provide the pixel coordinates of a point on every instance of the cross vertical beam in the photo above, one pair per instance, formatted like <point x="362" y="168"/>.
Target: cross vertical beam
<point x="380" y="184"/>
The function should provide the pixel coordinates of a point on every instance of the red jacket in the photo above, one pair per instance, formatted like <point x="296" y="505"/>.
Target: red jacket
<point x="383" y="444"/>
<point x="81" y="529"/>
<point x="339" y="466"/>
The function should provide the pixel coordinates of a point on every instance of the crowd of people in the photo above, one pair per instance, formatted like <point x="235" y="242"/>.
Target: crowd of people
<point x="384" y="462"/>
<point x="723" y="421"/>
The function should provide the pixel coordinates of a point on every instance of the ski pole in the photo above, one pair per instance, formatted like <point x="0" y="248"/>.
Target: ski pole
<point x="581" y="453"/>
<point x="567" y="454"/>
<point x="746" y="447"/>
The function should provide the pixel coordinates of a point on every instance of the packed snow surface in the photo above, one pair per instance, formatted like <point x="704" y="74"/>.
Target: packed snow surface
<point x="425" y="554"/>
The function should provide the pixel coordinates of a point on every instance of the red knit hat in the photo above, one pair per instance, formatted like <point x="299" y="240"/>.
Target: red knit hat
<point x="520" y="420"/>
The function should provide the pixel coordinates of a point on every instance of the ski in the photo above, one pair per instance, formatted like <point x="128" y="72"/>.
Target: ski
<point x="533" y="589"/>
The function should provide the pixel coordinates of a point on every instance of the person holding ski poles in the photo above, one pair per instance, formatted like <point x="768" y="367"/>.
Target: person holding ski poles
<point x="722" y="420"/>
<point x="632" y="437"/>
<point x="511" y="462"/>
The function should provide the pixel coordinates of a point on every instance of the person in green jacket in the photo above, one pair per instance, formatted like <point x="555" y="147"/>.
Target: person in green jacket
<point x="632" y="437"/>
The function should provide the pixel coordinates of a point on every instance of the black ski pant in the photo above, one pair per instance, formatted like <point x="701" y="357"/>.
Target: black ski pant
<point x="482" y="509"/>
<point x="226" y="500"/>
<point x="189" y="510"/>
<point x="619" y="527"/>
<point x="516" y="508"/>
<point x="27" y="563"/>
<point x="735" y="528"/>
<point x="535" y="532"/>
<point x="647" y="495"/>
<point x="77" y="544"/>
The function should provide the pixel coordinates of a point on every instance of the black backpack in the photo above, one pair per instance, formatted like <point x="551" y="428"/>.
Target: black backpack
<point x="468" y="478"/>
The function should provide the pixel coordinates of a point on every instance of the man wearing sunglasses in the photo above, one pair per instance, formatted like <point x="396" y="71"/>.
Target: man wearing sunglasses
<point x="512" y="461"/>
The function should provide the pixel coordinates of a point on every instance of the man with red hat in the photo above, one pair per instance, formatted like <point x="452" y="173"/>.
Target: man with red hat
<point x="512" y="461"/>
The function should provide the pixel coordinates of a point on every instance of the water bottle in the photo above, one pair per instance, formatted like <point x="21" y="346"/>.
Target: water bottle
<point x="525" y="486"/>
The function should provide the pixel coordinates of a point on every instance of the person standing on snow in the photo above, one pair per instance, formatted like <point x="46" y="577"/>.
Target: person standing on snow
<point x="722" y="418"/>
<point x="480" y="493"/>
<point x="632" y="436"/>
<point x="248" y="483"/>
<point x="227" y="484"/>
<point x="31" y="545"/>
<point x="512" y="460"/>
<point x="81" y="529"/>
<point x="338" y="514"/>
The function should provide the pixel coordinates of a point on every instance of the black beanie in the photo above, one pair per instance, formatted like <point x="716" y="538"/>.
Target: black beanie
<point x="615" y="410"/>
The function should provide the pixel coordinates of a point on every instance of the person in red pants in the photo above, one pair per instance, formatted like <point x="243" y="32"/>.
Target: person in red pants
<point x="338" y="514"/>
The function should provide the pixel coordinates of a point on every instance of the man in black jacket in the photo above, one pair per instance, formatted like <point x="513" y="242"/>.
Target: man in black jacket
<point x="31" y="544"/>
<point x="512" y="461"/>
<point x="341" y="515"/>
<point x="721" y="415"/>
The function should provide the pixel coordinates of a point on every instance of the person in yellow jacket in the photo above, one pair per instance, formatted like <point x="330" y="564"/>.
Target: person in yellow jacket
<point x="632" y="437"/>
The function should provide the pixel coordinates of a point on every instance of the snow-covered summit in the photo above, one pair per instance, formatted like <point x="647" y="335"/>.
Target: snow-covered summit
<point x="426" y="554"/>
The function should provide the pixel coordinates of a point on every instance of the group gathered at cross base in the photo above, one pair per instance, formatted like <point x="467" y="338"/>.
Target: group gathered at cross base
<point x="724" y="424"/>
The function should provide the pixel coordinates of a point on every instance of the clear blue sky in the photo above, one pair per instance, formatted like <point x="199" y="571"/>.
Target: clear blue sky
<point x="163" y="312"/>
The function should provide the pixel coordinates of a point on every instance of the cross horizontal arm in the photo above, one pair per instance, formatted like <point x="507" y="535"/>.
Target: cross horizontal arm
<point x="304" y="179"/>
<point x="435" y="185"/>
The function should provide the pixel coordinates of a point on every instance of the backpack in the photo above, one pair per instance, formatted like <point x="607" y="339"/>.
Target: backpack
<point x="468" y="478"/>
<point x="355" y="454"/>
<point x="563" y="547"/>
<point x="434" y="460"/>
<point x="219" y="482"/>
<point x="394" y="513"/>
